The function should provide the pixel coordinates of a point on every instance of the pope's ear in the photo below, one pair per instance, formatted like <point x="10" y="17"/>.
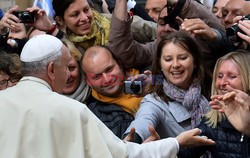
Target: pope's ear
<point x="51" y="70"/>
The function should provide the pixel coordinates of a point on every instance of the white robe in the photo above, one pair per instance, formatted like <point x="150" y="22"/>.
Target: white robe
<point x="38" y="123"/>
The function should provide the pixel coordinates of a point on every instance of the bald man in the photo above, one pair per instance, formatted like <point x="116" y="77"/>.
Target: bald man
<point x="106" y="77"/>
<point x="104" y="73"/>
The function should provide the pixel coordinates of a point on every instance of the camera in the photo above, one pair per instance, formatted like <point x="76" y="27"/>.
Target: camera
<point x="25" y="16"/>
<point x="133" y="87"/>
<point x="232" y="31"/>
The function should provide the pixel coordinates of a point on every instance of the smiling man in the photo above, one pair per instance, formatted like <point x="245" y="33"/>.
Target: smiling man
<point x="106" y="77"/>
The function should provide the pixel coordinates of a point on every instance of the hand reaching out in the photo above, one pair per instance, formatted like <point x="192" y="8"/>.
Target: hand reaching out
<point x="154" y="135"/>
<point x="197" y="27"/>
<point x="191" y="138"/>
<point x="236" y="106"/>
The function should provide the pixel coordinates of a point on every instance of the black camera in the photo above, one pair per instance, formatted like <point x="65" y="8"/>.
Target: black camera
<point x="133" y="87"/>
<point x="232" y="31"/>
<point x="25" y="16"/>
<point x="173" y="10"/>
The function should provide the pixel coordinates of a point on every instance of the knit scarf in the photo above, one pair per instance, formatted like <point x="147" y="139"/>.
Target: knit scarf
<point x="82" y="92"/>
<point x="192" y="99"/>
<point x="127" y="102"/>
<point x="98" y="35"/>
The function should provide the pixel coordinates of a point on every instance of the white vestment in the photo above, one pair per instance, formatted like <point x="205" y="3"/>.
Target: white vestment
<point x="38" y="123"/>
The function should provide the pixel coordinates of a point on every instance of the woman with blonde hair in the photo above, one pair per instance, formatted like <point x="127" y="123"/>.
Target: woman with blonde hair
<point x="76" y="86"/>
<point x="231" y="72"/>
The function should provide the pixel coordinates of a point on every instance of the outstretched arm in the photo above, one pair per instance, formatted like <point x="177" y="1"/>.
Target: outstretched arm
<point x="168" y="147"/>
<point x="121" y="41"/>
<point x="236" y="106"/>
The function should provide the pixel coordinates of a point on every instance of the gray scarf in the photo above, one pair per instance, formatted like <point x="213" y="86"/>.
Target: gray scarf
<point x="192" y="99"/>
<point x="82" y="92"/>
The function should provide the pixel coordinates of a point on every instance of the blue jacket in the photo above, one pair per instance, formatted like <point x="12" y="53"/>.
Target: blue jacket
<point x="229" y="142"/>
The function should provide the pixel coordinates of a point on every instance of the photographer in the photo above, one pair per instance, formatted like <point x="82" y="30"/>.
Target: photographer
<point x="15" y="27"/>
<point x="234" y="12"/>
<point x="12" y="33"/>
<point x="238" y="34"/>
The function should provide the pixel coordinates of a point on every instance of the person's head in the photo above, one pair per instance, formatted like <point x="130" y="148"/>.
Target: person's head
<point x="45" y="57"/>
<point x="20" y="33"/>
<point x="164" y="27"/>
<point x="76" y="15"/>
<point x="14" y="42"/>
<point x="178" y="59"/>
<point x="104" y="73"/>
<point x="10" y="70"/>
<point x="154" y="7"/>
<point x="233" y="69"/>
<point x="74" y="79"/>
<point x="218" y="7"/>
<point x="234" y="8"/>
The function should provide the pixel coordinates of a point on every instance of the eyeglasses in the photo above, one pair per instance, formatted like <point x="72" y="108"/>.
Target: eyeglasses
<point x="4" y="83"/>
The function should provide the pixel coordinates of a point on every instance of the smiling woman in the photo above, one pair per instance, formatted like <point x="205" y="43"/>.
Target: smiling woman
<point x="84" y="26"/>
<point x="231" y="72"/>
<point x="176" y="101"/>
<point x="76" y="87"/>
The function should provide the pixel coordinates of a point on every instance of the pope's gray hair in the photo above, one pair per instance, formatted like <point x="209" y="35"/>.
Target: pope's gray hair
<point x="39" y="67"/>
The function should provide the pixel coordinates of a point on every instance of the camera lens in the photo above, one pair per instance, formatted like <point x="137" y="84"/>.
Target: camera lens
<point x="232" y="33"/>
<point x="135" y="88"/>
<point x="26" y="17"/>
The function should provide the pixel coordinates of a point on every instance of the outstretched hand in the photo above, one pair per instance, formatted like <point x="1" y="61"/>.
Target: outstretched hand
<point x="130" y="136"/>
<point x="191" y="138"/>
<point x="198" y="27"/>
<point x="154" y="135"/>
<point x="236" y="106"/>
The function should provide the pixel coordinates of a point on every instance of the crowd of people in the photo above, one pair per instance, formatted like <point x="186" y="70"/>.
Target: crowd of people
<point x="170" y="80"/>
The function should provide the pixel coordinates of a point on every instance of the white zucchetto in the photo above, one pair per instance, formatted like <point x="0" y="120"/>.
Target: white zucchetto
<point x="40" y="47"/>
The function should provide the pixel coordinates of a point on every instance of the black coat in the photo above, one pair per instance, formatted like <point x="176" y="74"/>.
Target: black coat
<point x="112" y="115"/>
<point x="229" y="142"/>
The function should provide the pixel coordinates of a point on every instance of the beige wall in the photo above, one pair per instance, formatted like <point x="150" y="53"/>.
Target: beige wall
<point x="23" y="4"/>
<point x="6" y="4"/>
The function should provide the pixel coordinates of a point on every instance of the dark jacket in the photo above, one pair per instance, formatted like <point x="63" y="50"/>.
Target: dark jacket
<point x="229" y="142"/>
<point x="113" y="116"/>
